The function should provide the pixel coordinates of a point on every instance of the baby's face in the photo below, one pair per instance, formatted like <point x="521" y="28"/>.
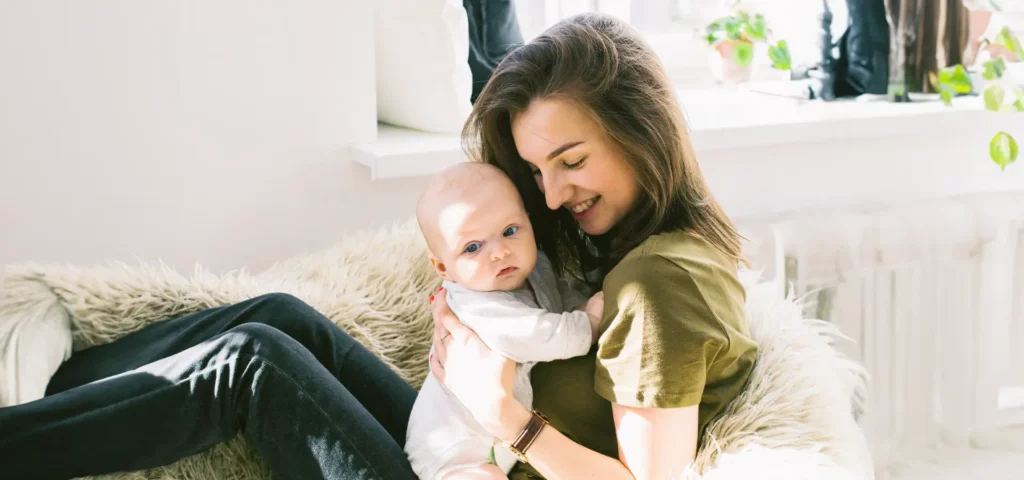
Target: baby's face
<point x="484" y="241"/>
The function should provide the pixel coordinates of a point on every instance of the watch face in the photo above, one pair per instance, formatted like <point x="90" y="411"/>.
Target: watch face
<point x="522" y="458"/>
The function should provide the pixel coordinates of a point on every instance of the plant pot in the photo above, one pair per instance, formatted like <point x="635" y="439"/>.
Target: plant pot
<point x="723" y="64"/>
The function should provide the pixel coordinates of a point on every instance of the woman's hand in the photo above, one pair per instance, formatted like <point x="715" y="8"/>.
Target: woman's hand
<point x="479" y="377"/>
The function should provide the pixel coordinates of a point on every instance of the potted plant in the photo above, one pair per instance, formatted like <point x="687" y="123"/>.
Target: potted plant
<point x="732" y="39"/>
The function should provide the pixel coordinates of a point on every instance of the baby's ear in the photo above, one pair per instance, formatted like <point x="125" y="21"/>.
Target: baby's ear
<point x="439" y="267"/>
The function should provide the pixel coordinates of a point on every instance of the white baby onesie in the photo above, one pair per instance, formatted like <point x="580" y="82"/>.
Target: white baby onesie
<point x="527" y="327"/>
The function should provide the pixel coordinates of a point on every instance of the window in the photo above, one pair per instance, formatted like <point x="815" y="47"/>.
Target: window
<point x="649" y="16"/>
<point x="673" y="28"/>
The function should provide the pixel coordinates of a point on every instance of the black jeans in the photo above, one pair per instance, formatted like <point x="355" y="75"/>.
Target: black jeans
<point x="312" y="400"/>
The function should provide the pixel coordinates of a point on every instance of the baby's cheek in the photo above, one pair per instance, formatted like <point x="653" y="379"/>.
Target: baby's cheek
<point x="467" y="271"/>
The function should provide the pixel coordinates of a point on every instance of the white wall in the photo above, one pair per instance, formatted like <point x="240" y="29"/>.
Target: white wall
<point x="217" y="132"/>
<point x="191" y="131"/>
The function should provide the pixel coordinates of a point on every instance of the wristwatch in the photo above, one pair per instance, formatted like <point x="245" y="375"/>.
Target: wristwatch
<point x="528" y="435"/>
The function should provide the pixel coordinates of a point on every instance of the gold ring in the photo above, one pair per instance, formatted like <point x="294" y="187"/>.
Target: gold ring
<point x="446" y="336"/>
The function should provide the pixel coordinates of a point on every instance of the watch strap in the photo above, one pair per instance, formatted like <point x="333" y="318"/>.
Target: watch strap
<point x="528" y="435"/>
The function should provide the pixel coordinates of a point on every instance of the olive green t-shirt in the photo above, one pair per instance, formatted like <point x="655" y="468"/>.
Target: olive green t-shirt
<point x="673" y="335"/>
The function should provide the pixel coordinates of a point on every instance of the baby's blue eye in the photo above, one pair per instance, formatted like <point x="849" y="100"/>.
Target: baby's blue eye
<point x="472" y="248"/>
<point x="510" y="231"/>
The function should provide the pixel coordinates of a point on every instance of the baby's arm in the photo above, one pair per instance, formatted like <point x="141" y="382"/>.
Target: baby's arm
<point x="527" y="334"/>
<point x="595" y="310"/>
<point x="594" y="306"/>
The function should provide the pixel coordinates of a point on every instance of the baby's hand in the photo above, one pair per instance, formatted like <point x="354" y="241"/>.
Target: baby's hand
<point x="595" y="309"/>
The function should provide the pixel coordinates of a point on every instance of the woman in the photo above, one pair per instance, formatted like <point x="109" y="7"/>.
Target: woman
<point x="585" y="122"/>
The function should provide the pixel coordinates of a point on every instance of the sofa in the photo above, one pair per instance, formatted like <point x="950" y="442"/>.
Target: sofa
<point x="796" y="418"/>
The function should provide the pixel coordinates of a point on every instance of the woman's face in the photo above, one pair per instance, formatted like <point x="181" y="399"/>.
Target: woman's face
<point x="576" y="166"/>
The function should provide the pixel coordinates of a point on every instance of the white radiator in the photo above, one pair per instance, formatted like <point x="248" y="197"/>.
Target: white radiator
<point x="932" y="296"/>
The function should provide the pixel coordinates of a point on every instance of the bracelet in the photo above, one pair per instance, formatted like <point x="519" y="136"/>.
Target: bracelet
<point x="528" y="436"/>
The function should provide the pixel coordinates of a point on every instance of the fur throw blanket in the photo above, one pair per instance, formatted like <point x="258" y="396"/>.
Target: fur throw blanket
<point x="796" y="419"/>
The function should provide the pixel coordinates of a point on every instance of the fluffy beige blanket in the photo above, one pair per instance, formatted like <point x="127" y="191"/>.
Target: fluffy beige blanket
<point x="796" y="418"/>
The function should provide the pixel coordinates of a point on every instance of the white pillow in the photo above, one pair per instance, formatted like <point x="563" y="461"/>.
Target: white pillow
<point x="422" y="56"/>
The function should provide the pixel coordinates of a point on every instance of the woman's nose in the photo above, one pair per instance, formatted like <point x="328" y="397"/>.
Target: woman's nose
<point x="556" y="191"/>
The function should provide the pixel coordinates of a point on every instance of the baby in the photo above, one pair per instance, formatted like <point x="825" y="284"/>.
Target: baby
<point x="481" y="244"/>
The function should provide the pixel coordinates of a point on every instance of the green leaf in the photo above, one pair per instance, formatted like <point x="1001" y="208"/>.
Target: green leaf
<point x="960" y="80"/>
<point x="947" y="97"/>
<point x="994" y="96"/>
<point x="779" y="55"/>
<point x="742" y="17"/>
<point x="733" y="29"/>
<point x="1018" y="105"/>
<point x="947" y="76"/>
<point x="713" y="31"/>
<point x="1007" y="39"/>
<point x="1003" y="150"/>
<point x="994" y="69"/>
<point x="756" y="29"/>
<point x="743" y="53"/>
<point x="951" y="81"/>
<point x="945" y="89"/>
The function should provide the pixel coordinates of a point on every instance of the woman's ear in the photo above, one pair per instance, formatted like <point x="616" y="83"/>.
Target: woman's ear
<point x="439" y="267"/>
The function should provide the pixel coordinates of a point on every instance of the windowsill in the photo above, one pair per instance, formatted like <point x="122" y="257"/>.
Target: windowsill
<point x="720" y="118"/>
<point x="402" y="152"/>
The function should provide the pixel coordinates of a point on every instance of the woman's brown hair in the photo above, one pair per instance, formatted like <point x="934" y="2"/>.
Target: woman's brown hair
<point x="602" y="65"/>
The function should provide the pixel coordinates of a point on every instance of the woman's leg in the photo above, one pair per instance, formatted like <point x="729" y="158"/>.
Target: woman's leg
<point x="385" y="395"/>
<point x="252" y="379"/>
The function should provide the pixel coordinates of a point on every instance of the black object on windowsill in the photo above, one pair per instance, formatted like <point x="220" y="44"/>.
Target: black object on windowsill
<point x="863" y="63"/>
<point x="828" y="64"/>
<point x="856" y="64"/>
<point x="493" y="32"/>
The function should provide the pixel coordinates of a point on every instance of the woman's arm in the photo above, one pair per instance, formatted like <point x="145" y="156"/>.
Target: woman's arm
<point x="653" y="443"/>
<point x="656" y="442"/>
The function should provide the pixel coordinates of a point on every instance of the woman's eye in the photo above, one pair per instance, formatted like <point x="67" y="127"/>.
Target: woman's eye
<point x="472" y="248"/>
<point x="577" y="165"/>
<point x="510" y="231"/>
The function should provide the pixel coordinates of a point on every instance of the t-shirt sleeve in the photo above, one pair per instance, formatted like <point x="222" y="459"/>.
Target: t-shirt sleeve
<point x="659" y="336"/>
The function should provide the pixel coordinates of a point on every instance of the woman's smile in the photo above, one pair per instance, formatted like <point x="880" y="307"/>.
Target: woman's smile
<point x="584" y="209"/>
